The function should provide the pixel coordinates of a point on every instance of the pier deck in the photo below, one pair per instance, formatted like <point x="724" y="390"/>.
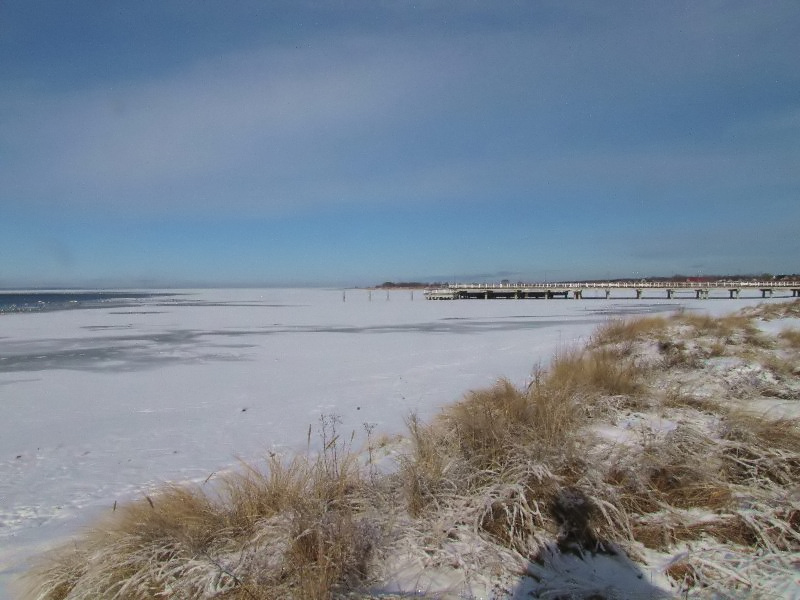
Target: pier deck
<point x="459" y="291"/>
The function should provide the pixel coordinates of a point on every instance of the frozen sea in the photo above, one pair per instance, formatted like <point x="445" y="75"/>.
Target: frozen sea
<point x="105" y="399"/>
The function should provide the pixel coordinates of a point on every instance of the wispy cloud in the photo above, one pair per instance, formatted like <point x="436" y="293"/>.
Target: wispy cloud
<point x="352" y="117"/>
<point x="263" y="117"/>
<point x="560" y="119"/>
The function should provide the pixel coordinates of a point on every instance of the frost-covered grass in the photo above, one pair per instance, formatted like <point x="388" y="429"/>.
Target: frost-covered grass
<point x="298" y="529"/>
<point x="649" y="449"/>
<point x="791" y="337"/>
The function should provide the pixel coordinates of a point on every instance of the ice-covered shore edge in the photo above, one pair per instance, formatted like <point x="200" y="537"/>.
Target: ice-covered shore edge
<point x="685" y="460"/>
<point x="101" y="404"/>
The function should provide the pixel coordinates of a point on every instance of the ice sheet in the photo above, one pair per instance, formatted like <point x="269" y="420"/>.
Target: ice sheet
<point x="98" y="405"/>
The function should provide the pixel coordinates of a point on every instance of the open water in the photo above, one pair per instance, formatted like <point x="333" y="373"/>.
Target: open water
<point x="29" y="301"/>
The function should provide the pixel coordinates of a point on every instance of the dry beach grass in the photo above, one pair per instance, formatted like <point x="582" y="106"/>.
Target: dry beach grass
<point x="657" y="442"/>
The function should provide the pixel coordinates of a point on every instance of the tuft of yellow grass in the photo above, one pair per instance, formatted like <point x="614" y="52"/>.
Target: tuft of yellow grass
<point x="777" y="310"/>
<point x="781" y="434"/>
<point x="425" y="473"/>
<point x="677" y="396"/>
<point x="297" y="531"/>
<point x="620" y="331"/>
<point x="791" y="337"/>
<point x="489" y="435"/>
<point x="600" y="370"/>
<point x="761" y="451"/>
<point x="490" y="423"/>
<point x="493" y="426"/>
<point x="682" y="469"/>
<point x="717" y="327"/>
<point x="662" y="535"/>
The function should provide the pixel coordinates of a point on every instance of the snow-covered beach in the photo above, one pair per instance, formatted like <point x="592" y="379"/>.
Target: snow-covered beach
<point x="100" y="404"/>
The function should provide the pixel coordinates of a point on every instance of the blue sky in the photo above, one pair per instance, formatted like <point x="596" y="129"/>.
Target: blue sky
<point x="164" y="143"/>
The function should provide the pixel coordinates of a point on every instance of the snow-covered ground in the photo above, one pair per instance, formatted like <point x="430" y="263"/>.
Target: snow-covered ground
<point x="99" y="404"/>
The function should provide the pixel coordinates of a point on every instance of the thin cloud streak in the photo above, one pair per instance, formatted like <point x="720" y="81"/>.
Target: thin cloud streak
<point x="253" y="111"/>
<point x="299" y="128"/>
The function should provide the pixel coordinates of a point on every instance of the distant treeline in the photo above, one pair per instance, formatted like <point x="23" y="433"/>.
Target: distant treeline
<point x="736" y="277"/>
<point x="388" y="285"/>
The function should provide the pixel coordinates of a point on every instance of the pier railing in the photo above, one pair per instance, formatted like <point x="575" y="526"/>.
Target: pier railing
<point x="565" y="288"/>
<point x="663" y="285"/>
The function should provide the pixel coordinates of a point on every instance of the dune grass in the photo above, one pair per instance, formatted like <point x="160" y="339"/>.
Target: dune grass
<point x="597" y="371"/>
<point x="776" y="310"/>
<point x="791" y="337"/>
<point x="620" y="331"/>
<point x="297" y="530"/>
<point x="717" y="327"/>
<point x="511" y="469"/>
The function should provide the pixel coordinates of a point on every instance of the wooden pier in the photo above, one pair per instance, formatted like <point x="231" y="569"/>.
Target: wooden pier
<point x="576" y="290"/>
